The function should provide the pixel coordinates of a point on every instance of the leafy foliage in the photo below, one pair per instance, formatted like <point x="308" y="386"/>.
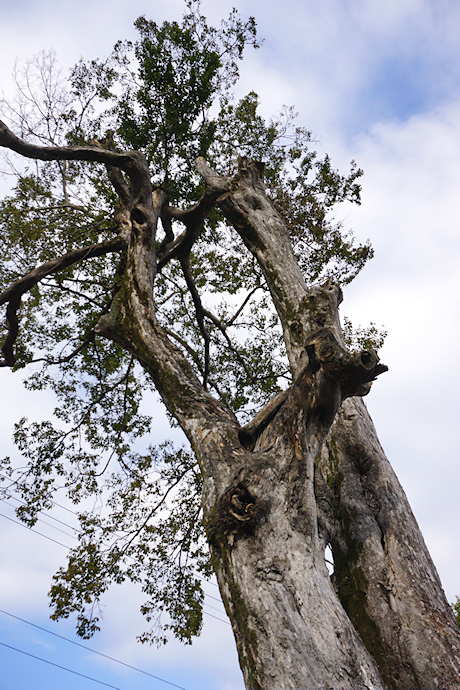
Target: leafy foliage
<point x="456" y="607"/>
<point x="151" y="533"/>
<point x="362" y="338"/>
<point x="182" y="70"/>
<point x="169" y="96"/>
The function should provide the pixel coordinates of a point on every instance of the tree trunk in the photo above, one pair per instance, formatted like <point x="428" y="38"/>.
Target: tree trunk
<point x="259" y="502"/>
<point x="290" y="628"/>
<point x="274" y="495"/>
<point x="385" y="578"/>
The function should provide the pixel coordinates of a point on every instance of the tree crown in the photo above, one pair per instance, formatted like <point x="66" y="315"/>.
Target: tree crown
<point x="167" y="96"/>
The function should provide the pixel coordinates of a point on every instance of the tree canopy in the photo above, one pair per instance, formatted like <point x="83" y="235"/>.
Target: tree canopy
<point x="169" y="238"/>
<point x="169" y="96"/>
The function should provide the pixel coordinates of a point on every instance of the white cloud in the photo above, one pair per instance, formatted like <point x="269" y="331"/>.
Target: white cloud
<point x="411" y="211"/>
<point x="324" y="58"/>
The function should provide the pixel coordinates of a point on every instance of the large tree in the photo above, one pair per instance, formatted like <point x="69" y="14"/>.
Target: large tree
<point x="145" y="251"/>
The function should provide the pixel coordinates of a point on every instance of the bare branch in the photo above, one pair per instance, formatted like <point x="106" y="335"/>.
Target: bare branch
<point x="97" y="154"/>
<point x="232" y="320"/>
<point x="84" y="343"/>
<point x="223" y="329"/>
<point x="192" y="218"/>
<point x="57" y="285"/>
<point x="63" y="360"/>
<point x="200" y="313"/>
<point x="55" y="265"/>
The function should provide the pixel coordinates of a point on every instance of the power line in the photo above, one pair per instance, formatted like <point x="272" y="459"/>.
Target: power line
<point x="88" y="649"/>
<point x="45" y="661"/>
<point x="217" y="619"/>
<point x="214" y="608"/>
<point x="73" y="512"/>
<point x="34" y="531"/>
<point x="51" y="517"/>
<point x="58" y="505"/>
<point x="200" y="577"/>
<point x="21" y="524"/>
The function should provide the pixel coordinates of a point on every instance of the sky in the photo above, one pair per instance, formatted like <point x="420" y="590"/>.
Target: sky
<point x="377" y="81"/>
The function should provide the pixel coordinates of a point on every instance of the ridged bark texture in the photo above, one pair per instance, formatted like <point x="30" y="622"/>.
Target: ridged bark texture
<point x="384" y="576"/>
<point x="308" y="471"/>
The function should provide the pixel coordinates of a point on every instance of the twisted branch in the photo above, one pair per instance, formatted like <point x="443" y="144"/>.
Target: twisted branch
<point x="12" y="295"/>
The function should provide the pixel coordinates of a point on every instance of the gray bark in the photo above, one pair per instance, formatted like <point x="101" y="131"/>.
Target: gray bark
<point x="260" y="501"/>
<point x="306" y="472"/>
<point x="290" y="628"/>
<point x="385" y="577"/>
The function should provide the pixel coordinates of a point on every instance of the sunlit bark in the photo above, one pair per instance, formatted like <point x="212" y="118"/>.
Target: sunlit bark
<point x="308" y="471"/>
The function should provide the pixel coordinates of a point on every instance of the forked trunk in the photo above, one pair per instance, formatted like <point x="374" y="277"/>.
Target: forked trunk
<point x="290" y="628"/>
<point x="270" y="510"/>
<point x="385" y="578"/>
<point x="384" y="575"/>
<point x="274" y="495"/>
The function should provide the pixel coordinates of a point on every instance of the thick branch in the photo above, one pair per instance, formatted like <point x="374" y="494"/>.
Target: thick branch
<point x="125" y="161"/>
<point x="214" y="182"/>
<point x="193" y="219"/>
<point x="13" y="327"/>
<point x="13" y="294"/>
<point x="55" y="265"/>
<point x="331" y="375"/>
<point x="132" y="322"/>
<point x="353" y="372"/>
<point x="120" y="186"/>
<point x="246" y="206"/>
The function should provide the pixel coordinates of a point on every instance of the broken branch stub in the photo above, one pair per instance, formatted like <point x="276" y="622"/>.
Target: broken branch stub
<point x="353" y="371"/>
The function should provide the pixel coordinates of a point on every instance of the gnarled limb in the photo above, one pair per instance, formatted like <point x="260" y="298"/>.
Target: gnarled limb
<point x="126" y="161"/>
<point x="193" y="219"/>
<point x="132" y="320"/>
<point x="12" y="295"/>
<point x="24" y="284"/>
<point x="132" y="323"/>
<point x="415" y="643"/>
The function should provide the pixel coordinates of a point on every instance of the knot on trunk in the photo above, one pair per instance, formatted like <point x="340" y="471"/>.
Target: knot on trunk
<point x="354" y="370"/>
<point x="238" y="511"/>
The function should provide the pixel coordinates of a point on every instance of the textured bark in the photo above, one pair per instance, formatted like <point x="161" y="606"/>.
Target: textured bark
<point x="307" y="471"/>
<point x="260" y="502"/>
<point x="289" y="625"/>
<point x="385" y="577"/>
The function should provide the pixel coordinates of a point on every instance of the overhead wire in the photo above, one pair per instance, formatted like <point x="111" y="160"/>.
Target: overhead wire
<point x="73" y="512"/>
<point x="51" y="517"/>
<point x="31" y="529"/>
<point x="55" y="541"/>
<point x="64" y="668"/>
<point x="89" y="649"/>
<point x="66" y="524"/>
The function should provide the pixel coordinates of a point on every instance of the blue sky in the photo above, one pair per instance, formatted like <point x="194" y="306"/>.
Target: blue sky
<point x="377" y="81"/>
